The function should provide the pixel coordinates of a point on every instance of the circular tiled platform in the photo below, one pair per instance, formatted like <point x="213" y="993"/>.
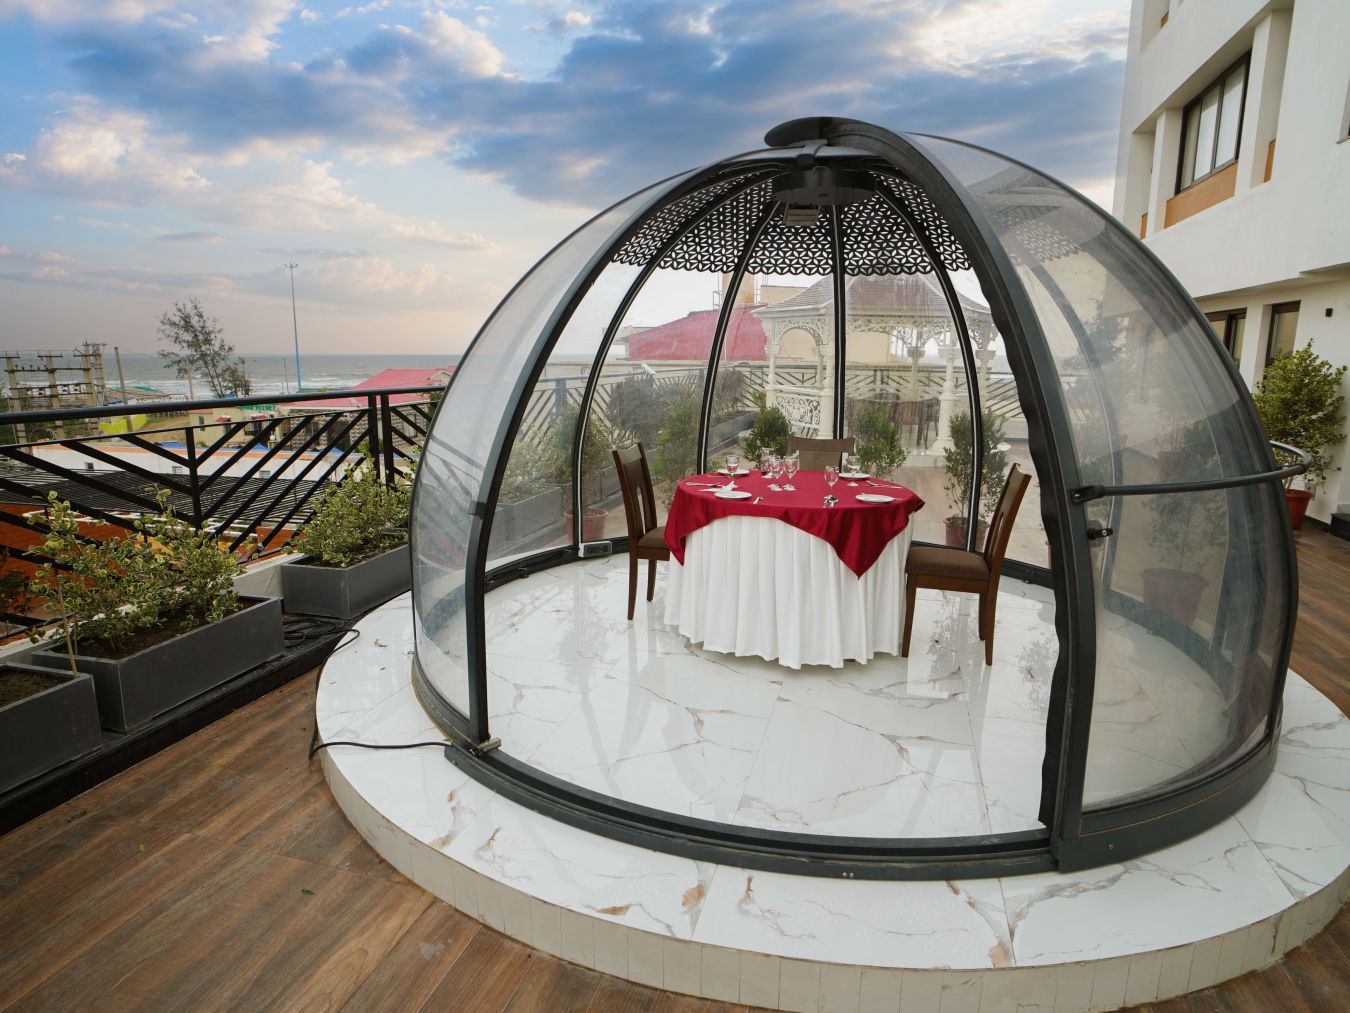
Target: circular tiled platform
<point x="1184" y="918"/>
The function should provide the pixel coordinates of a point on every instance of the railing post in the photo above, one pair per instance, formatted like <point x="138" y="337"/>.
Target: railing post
<point x="387" y="424"/>
<point x="373" y="435"/>
<point x="194" y="480"/>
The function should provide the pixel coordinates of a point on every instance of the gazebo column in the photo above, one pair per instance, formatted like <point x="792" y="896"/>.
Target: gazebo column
<point x="984" y="356"/>
<point x="825" y="427"/>
<point x="771" y="348"/>
<point x="947" y="404"/>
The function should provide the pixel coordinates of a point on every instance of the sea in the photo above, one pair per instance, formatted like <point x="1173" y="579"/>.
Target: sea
<point x="275" y="374"/>
<point x="269" y="374"/>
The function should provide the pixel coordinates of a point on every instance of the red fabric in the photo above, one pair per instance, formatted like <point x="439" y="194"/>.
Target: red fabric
<point x="858" y="532"/>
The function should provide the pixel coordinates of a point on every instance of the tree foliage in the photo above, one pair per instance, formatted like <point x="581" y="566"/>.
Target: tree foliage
<point x="199" y="347"/>
<point x="108" y="589"/>
<point x="1300" y="402"/>
<point x="878" y="441"/>
<point x="959" y="463"/>
<point x="358" y="518"/>
<point x="768" y="435"/>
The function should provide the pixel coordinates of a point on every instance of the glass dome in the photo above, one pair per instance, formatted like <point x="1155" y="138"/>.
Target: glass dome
<point x="988" y="314"/>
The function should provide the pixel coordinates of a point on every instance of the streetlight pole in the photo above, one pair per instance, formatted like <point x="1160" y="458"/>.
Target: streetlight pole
<point x="295" y="327"/>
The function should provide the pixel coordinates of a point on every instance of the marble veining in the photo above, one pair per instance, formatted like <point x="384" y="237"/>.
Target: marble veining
<point x="948" y="746"/>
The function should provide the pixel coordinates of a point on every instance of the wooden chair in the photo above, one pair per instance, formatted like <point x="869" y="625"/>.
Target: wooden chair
<point x="817" y="455"/>
<point x="646" y="538"/>
<point x="948" y="569"/>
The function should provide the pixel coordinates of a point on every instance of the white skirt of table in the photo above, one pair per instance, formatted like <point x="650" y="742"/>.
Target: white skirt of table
<point x="758" y="586"/>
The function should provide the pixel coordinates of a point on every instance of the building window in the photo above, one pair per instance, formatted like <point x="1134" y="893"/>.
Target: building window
<point x="1212" y="126"/>
<point x="1283" y="324"/>
<point x="1229" y="325"/>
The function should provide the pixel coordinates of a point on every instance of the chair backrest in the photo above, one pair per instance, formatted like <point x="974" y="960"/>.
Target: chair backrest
<point x="817" y="455"/>
<point x="639" y="502"/>
<point x="1000" y="527"/>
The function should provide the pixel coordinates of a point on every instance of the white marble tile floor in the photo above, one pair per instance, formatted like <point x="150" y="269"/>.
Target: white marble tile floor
<point x="947" y="746"/>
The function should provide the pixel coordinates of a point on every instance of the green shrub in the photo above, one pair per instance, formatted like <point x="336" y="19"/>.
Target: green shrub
<point x="878" y="441"/>
<point x="768" y="435"/>
<point x="108" y="590"/>
<point x="958" y="461"/>
<point x="1300" y="403"/>
<point x="357" y="519"/>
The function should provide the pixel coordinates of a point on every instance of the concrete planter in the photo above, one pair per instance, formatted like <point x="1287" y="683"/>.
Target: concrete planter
<point x="134" y="689"/>
<point x="45" y="730"/>
<point x="345" y="592"/>
<point x="527" y="523"/>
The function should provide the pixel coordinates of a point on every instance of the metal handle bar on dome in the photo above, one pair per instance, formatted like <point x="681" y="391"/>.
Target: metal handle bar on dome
<point x="1087" y="493"/>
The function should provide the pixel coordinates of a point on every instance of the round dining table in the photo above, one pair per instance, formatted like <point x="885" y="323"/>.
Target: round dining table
<point x="786" y="575"/>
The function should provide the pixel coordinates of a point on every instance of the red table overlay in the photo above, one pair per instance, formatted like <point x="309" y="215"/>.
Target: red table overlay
<point x="858" y="532"/>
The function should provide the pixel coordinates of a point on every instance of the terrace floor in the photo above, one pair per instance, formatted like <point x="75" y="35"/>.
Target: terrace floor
<point x="221" y="874"/>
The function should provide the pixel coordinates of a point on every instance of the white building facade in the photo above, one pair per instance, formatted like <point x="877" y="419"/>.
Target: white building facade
<point x="1234" y="167"/>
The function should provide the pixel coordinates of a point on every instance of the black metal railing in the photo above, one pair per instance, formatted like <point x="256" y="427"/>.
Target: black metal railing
<point x="245" y="479"/>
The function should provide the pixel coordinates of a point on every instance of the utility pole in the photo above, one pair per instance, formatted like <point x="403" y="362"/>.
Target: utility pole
<point x="295" y="327"/>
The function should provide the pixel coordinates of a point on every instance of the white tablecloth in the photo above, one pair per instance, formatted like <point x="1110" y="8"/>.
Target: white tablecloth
<point x="758" y="586"/>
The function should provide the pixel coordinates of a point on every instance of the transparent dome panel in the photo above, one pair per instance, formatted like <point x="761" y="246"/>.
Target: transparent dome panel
<point x="454" y="471"/>
<point x="738" y="395"/>
<point x="1137" y="365"/>
<point x="1191" y="611"/>
<point x="534" y="506"/>
<point x="650" y="389"/>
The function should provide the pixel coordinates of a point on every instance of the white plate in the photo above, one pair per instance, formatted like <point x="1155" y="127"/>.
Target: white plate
<point x="872" y="497"/>
<point x="723" y="471"/>
<point x="854" y="474"/>
<point x="736" y="494"/>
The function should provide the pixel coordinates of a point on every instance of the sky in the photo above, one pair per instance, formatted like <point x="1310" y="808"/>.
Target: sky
<point x="413" y="158"/>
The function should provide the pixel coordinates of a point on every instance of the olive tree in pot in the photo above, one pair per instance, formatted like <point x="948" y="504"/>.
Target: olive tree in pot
<point x="878" y="441"/>
<point x="46" y="718"/>
<point x="959" y="464"/>
<point x="1300" y="403"/>
<point x="152" y="616"/>
<point x="356" y="546"/>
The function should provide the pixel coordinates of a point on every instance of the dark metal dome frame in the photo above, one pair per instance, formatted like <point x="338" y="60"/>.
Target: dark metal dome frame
<point x="679" y="219"/>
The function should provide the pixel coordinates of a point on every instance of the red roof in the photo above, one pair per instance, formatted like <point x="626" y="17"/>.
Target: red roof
<point x="384" y="378"/>
<point x="691" y="337"/>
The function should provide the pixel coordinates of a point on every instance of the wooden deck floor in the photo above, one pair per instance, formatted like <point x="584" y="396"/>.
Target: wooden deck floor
<point x="220" y="874"/>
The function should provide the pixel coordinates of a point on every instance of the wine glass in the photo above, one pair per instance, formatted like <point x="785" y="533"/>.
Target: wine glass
<point x="831" y="475"/>
<point x="792" y="461"/>
<point x="766" y="465"/>
<point x="733" y="465"/>
<point x="853" y="463"/>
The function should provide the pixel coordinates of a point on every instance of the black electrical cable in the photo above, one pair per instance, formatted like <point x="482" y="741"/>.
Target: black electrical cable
<point x="297" y="631"/>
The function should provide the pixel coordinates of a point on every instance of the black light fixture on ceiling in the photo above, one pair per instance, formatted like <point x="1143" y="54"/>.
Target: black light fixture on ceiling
<point x="804" y="192"/>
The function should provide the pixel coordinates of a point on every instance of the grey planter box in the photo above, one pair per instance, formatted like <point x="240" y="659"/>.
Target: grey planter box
<point x="345" y="593"/>
<point x="134" y="689"/>
<point x="43" y="731"/>
<point x="536" y="520"/>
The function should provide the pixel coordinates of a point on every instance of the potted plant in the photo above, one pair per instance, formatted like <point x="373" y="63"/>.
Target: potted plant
<point x="152" y="617"/>
<point x="878" y="441"/>
<point x="768" y="434"/>
<point x="356" y="546"/>
<point x="1186" y="526"/>
<point x="596" y="469"/>
<point x="959" y="464"/>
<point x="1300" y="403"/>
<point x="46" y="718"/>
<point x="530" y="501"/>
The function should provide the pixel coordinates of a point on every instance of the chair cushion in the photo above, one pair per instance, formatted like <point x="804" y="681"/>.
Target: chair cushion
<point x="942" y="561"/>
<point x="654" y="539"/>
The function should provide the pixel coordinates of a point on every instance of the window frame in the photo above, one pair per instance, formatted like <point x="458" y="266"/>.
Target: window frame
<point x="1225" y="325"/>
<point x="1276" y="311"/>
<point x="1216" y="85"/>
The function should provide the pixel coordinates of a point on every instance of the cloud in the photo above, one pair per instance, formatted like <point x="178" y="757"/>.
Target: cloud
<point x="642" y="91"/>
<point x="432" y="232"/>
<point x="209" y="238"/>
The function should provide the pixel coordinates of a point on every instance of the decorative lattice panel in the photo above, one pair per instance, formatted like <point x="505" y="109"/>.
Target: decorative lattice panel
<point x="921" y="208"/>
<point x="877" y="240"/>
